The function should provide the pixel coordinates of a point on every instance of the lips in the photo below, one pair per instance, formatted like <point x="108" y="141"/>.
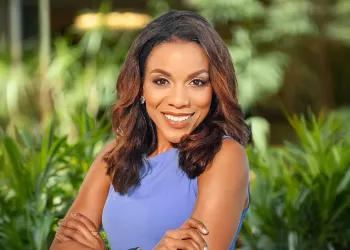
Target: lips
<point x="177" y="120"/>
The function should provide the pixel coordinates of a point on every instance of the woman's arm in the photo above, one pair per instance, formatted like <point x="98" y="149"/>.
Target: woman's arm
<point x="223" y="195"/>
<point x="90" y="200"/>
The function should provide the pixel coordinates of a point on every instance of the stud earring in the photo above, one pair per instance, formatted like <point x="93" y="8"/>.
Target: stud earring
<point x="142" y="99"/>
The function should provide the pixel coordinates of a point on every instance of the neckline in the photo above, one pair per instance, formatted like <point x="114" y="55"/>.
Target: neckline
<point x="161" y="154"/>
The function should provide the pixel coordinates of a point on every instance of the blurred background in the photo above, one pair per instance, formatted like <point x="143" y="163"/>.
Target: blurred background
<point x="59" y="61"/>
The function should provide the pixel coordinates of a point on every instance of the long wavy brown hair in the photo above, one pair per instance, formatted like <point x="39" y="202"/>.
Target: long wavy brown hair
<point x="135" y="132"/>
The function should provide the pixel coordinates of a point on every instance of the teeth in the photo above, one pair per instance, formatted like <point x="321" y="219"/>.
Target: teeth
<point x="177" y="118"/>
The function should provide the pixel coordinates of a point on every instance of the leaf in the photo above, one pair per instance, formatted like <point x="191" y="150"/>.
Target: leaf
<point x="345" y="182"/>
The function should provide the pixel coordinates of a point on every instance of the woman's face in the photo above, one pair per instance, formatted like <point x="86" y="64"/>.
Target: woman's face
<point x="176" y="88"/>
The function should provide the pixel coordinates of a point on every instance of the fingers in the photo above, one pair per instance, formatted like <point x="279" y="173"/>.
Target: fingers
<point x="193" y="223"/>
<point x="186" y="234"/>
<point x="195" y="245"/>
<point x="184" y="244"/>
<point x="174" y="244"/>
<point x="188" y="237"/>
<point x="193" y="234"/>
<point x="65" y="233"/>
<point x="86" y="221"/>
<point x="61" y="237"/>
<point x="78" y="226"/>
<point x="80" y="229"/>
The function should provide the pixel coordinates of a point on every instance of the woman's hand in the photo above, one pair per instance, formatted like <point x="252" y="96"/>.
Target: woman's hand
<point x="188" y="237"/>
<point x="79" y="228"/>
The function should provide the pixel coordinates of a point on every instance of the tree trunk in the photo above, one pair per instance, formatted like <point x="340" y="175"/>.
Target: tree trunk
<point x="44" y="60"/>
<point x="15" y="10"/>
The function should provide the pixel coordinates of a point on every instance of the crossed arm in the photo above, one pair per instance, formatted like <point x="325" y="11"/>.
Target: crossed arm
<point x="222" y="196"/>
<point x="90" y="200"/>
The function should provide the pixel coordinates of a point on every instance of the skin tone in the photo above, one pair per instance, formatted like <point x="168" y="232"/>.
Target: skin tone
<point x="177" y="86"/>
<point x="178" y="95"/>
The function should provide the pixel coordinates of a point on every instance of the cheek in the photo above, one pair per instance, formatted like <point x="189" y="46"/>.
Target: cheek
<point x="151" y="106"/>
<point x="202" y="101"/>
<point x="153" y="98"/>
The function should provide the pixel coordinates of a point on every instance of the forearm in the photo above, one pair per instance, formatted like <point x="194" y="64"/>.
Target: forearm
<point x="68" y="245"/>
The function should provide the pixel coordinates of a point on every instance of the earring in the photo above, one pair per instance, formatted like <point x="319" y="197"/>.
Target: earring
<point x="142" y="99"/>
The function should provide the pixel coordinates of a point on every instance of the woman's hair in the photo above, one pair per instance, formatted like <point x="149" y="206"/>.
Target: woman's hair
<point x="136" y="135"/>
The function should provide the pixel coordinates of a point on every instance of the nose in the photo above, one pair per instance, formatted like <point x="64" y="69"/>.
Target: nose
<point x="179" y="97"/>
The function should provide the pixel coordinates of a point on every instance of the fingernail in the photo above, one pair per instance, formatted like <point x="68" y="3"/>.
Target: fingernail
<point x="206" y="248"/>
<point x="74" y="214"/>
<point x="205" y="230"/>
<point x="60" y="222"/>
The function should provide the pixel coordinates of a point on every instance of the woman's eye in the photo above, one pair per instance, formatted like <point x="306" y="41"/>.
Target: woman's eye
<point x="198" y="82"/>
<point x="161" y="81"/>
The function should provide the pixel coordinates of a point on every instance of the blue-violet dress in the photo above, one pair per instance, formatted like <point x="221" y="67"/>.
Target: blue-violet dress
<point x="165" y="200"/>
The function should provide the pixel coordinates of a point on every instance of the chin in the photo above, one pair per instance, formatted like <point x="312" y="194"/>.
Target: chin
<point x="175" y="137"/>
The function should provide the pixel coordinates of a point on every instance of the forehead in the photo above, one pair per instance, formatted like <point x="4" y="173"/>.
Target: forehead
<point x="175" y="56"/>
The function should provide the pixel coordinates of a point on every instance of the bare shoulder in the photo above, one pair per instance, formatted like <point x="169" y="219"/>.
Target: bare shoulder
<point x="231" y="159"/>
<point x="98" y="168"/>
<point x="229" y="170"/>
<point x="231" y="149"/>
<point x="107" y="148"/>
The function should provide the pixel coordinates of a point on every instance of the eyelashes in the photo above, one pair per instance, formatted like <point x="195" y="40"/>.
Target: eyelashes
<point x="160" y="81"/>
<point x="196" y="82"/>
<point x="199" y="82"/>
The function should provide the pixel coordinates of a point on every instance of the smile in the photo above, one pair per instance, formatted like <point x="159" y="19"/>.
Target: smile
<point x="177" y="118"/>
<point x="178" y="121"/>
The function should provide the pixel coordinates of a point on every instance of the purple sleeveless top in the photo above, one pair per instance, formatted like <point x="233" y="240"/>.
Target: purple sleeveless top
<point x="165" y="200"/>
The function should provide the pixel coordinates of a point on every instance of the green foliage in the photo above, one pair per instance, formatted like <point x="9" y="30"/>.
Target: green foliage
<point x="40" y="176"/>
<point x="265" y="34"/>
<point x="261" y="36"/>
<point x="300" y="196"/>
<point x="259" y="73"/>
<point x="301" y="192"/>
<point x="80" y="76"/>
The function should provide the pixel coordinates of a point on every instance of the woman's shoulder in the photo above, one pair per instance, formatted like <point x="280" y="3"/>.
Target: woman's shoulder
<point x="231" y="159"/>
<point x="231" y="149"/>
<point x="98" y="168"/>
<point x="108" y="147"/>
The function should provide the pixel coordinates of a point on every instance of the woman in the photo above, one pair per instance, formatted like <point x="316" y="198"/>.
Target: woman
<point x="177" y="173"/>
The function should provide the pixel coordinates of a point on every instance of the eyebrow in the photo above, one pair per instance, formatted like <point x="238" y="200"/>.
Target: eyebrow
<point x="169" y="75"/>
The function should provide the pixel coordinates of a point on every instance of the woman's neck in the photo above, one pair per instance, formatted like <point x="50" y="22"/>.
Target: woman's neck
<point x="163" y="145"/>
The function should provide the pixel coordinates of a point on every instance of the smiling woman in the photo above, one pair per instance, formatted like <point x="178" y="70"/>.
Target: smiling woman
<point x="177" y="173"/>
<point x="176" y="89"/>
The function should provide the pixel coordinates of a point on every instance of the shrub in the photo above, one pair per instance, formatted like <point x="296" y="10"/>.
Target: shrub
<point x="301" y="193"/>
